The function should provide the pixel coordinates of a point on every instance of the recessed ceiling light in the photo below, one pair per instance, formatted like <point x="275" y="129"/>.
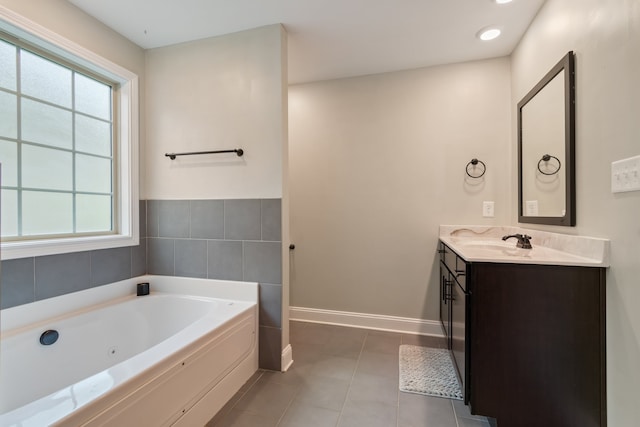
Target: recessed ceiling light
<point x="487" y="34"/>
<point x="503" y="1"/>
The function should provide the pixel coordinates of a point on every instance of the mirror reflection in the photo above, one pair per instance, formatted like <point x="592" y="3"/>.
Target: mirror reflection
<point x="545" y="149"/>
<point x="543" y="190"/>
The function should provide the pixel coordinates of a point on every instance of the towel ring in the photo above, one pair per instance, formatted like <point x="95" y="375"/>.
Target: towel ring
<point x="474" y="162"/>
<point x="545" y="159"/>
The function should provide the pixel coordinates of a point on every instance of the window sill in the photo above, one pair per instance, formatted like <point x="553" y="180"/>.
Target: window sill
<point x="27" y="249"/>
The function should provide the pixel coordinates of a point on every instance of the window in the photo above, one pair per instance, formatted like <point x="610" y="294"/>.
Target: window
<point x="56" y="147"/>
<point x="68" y="146"/>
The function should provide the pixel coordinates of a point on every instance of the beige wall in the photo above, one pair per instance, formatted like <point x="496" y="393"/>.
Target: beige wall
<point x="68" y="21"/>
<point x="377" y="164"/>
<point x="605" y="35"/>
<point x="218" y="93"/>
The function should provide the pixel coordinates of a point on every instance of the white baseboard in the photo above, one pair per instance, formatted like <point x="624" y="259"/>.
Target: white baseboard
<point x="286" y="359"/>
<point x="368" y="321"/>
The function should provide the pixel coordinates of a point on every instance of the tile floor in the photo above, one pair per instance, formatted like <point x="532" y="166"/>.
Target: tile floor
<point x="341" y="377"/>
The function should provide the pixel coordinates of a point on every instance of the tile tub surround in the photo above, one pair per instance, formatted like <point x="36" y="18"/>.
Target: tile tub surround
<point x="26" y="280"/>
<point x="237" y="239"/>
<point x="222" y="239"/>
<point x="553" y="248"/>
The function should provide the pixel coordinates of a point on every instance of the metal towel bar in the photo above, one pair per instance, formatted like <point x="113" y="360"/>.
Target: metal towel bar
<point x="238" y="151"/>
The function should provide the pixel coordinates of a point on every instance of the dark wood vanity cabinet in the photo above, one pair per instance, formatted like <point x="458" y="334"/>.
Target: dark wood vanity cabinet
<point x="535" y="344"/>
<point x="453" y="310"/>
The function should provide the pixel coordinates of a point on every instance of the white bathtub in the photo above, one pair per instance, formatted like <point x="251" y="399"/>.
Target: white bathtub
<point x="173" y="357"/>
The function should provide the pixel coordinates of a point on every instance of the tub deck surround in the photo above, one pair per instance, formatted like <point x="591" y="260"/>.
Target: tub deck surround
<point x="173" y="357"/>
<point x="484" y="244"/>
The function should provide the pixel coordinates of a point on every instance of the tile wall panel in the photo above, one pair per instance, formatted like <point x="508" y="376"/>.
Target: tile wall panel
<point x="226" y="239"/>
<point x="174" y="218"/>
<point x="110" y="265"/>
<point x="26" y="280"/>
<point x="191" y="258"/>
<point x="17" y="285"/>
<point x="242" y="219"/>
<point x="224" y="259"/>
<point x="271" y="219"/>
<point x="207" y="219"/>
<point x="62" y="274"/>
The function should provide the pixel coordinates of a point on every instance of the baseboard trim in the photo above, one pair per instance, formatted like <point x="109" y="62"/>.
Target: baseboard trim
<point x="286" y="359"/>
<point x="368" y="321"/>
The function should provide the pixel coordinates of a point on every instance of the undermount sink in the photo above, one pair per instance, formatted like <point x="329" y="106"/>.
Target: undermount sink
<point x="495" y="248"/>
<point x="487" y="244"/>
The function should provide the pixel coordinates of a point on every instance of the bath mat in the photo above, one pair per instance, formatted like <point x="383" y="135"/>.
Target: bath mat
<point x="428" y="371"/>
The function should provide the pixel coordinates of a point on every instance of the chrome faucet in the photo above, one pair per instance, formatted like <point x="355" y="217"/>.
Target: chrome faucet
<point x="523" y="240"/>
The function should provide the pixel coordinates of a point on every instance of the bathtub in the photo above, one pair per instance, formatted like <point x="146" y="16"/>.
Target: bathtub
<point x="170" y="358"/>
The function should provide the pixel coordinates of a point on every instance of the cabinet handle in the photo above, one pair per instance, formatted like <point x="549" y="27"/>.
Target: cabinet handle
<point x="448" y="293"/>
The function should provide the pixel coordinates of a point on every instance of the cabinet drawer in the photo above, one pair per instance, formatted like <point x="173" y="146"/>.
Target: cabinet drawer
<point x="456" y="265"/>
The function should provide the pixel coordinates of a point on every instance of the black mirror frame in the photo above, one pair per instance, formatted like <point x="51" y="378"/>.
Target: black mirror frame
<point x="567" y="64"/>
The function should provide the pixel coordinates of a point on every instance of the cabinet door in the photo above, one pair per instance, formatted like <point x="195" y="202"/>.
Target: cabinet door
<point x="458" y="323"/>
<point x="537" y="345"/>
<point x="445" y="305"/>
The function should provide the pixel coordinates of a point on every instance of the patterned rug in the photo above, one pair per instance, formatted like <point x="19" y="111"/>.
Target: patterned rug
<point x="428" y="371"/>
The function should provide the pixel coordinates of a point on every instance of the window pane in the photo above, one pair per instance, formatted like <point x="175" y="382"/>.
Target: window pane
<point x="46" y="213"/>
<point x="93" y="174"/>
<point x="9" y="212"/>
<point x="45" y="124"/>
<point x="45" y="79"/>
<point x="93" y="213"/>
<point x="93" y="136"/>
<point x="46" y="168"/>
<point x="9" y="160"/>
<point x="8" y="115"/>
<point x="92" y="97"/>
<point x="7" y="66"/>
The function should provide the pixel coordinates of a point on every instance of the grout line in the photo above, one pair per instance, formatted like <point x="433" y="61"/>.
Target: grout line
<point x="224" y="220"/>
<point x="190" y="212"/>
<point x="285" y="411"/>
<point x="242" y="394"/>
<point x="174" y="257"/>
<point x="455" y="415"/>
<point x="33" y="295"/>
<point x="355" y="369"/>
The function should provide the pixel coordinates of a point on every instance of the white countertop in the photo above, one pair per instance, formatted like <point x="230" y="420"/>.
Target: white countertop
<point x="485" y="244"/>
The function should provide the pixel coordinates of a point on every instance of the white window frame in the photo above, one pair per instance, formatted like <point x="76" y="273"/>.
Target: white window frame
<point x="127" y="118"/>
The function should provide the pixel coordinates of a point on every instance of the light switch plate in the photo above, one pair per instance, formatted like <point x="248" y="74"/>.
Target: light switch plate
<point x="488" y="209"/>
<point x="531" y="207"/>
<point x="625" y="175"/>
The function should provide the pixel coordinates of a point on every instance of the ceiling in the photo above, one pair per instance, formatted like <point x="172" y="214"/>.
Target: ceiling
<point x="330" y="39"/>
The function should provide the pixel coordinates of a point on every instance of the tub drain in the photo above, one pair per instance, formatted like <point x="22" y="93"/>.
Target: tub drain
<point x="49" y="337"/>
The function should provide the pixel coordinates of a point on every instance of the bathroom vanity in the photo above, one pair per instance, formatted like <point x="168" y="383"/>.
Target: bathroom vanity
<point x="526" y="327"/>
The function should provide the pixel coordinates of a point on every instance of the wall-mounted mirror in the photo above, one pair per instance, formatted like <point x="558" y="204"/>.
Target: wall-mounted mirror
<point x="546" y="142"/>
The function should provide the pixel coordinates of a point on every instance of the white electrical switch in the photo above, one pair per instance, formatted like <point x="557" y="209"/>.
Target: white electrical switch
<point x="625" y="175"/>
<point x="488" y="209"/>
